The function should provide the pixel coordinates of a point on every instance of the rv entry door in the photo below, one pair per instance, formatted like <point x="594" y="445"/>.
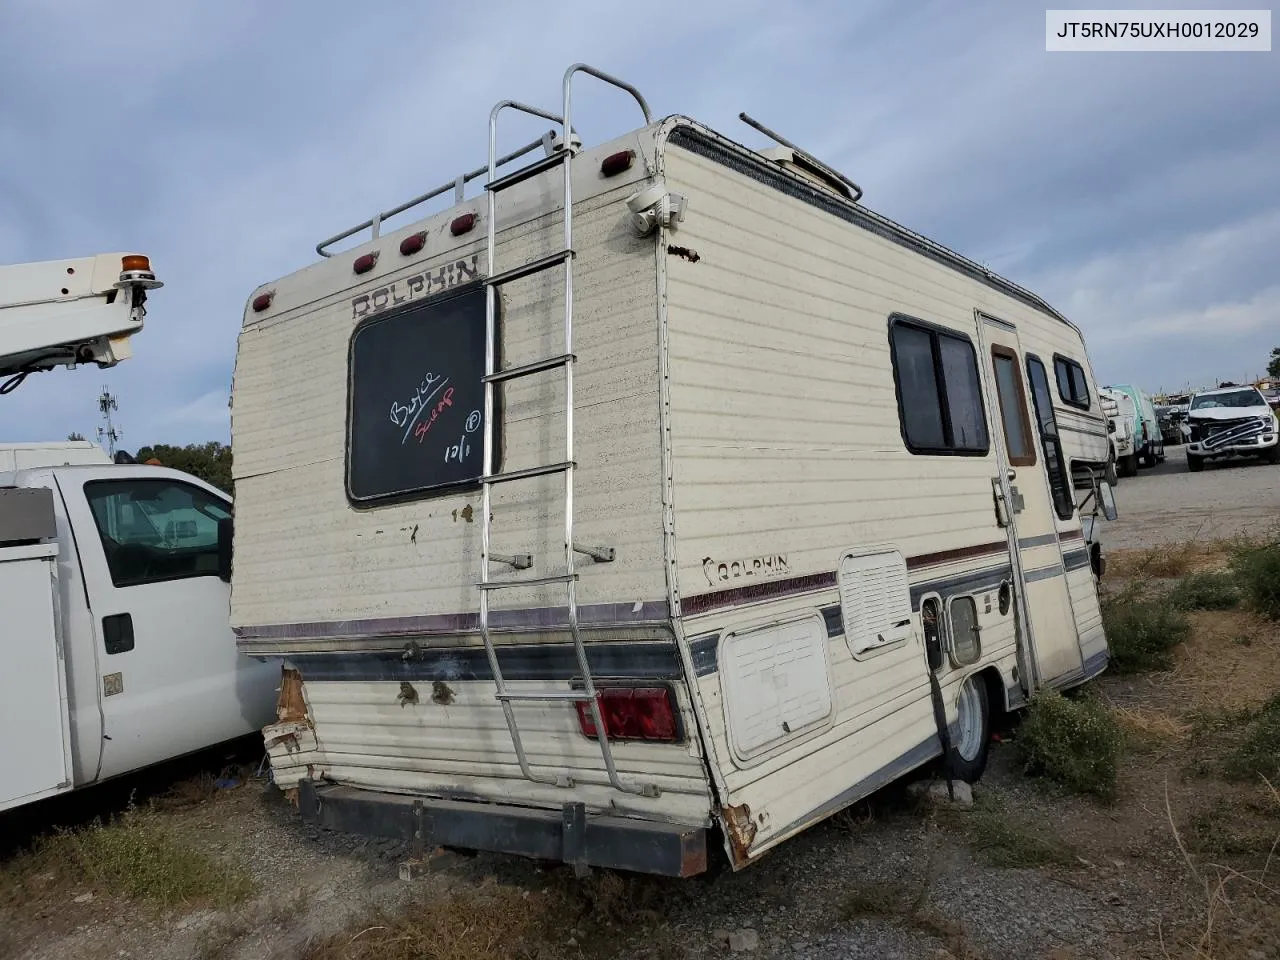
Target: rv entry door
<point x="1024" y="506"/>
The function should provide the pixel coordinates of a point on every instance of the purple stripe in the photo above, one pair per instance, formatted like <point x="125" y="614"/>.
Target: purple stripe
<point x="540" y="618"/>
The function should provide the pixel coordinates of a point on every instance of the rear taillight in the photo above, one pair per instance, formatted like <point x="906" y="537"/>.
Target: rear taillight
<point x="633" y="713"/>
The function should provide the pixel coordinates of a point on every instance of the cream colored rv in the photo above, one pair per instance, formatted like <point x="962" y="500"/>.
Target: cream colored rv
<point x="661" y="492"/>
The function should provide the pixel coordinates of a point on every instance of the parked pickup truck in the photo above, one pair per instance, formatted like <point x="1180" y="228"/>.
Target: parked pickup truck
<point x="114" y="599"/>
<point x="1231" y="421"/>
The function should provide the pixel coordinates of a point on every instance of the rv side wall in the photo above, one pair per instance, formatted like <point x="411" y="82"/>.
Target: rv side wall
<point x="787" y="451"/>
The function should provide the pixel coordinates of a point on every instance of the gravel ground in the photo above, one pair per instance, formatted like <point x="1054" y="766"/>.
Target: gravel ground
<point x="1170" y="504"/>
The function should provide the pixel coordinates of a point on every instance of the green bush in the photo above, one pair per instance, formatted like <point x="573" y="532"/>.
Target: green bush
<point x="1258" y="570"/>
<point x="1074" y="741"/>
<point x="1142" y="630"/>
<point x="1206" y="591"/>
<point x="1258" y="754"/>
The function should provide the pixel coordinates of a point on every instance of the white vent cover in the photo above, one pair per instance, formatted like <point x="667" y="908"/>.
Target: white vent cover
<point x="777" y="684"/>
<point x="875" y="600"/>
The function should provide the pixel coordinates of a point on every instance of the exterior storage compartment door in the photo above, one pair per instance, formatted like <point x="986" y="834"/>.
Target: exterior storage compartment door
<point x="35" y="747"/>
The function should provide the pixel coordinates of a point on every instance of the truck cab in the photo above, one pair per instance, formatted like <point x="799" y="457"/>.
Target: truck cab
<point x="1148" y="441"/>
<point x="118" y="642"/>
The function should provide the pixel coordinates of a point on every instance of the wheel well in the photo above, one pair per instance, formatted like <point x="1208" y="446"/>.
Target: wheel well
<point x="997" y="695"/>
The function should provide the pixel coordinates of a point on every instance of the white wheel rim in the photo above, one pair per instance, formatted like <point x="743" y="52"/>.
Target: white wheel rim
<point x="969" y="717"/>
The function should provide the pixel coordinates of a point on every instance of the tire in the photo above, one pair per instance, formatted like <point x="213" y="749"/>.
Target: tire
<point x="1129" y="465"/>
<point x="1195" y="464"/>
<point x="973" y="717"/>
<point x="1272" y="455"/>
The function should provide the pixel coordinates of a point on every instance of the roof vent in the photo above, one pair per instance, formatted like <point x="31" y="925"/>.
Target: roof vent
<point x="797" y="161"/>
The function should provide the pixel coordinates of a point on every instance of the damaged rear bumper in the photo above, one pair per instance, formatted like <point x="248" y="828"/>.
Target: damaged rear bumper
<point x="568" y="835"/>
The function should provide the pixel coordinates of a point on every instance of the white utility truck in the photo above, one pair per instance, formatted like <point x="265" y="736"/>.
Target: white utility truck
<point x="666" y="492"/>
<point x="114" y="580"/>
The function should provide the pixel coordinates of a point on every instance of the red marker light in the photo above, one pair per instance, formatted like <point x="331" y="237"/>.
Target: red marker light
<point x="263" y="300"/>
<point x="616" y="163"/>
<point x="633" y="713"/>
<point x="462" y="224"/>
<point x="411" y="245"/>
<point x="365" y="263"/>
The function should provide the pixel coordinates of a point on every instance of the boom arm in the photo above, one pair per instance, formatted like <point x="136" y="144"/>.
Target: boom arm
<point x="66" y="312"/>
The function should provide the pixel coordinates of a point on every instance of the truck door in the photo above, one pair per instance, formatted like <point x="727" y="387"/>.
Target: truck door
<point x="1025" y="507"/>
<point x="171" y="679"/>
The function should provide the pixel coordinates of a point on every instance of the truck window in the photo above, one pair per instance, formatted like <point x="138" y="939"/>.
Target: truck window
<point x="1072" y="386"/>
<point x="1050" y="442"/>
<point x="154" y="530"/>
<point x="935" y="374"/>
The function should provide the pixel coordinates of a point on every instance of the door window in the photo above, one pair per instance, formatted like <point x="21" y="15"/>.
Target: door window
<point x="1013" y="408"/>
<point x="1054" y="461"/>
<point x="154" y="530"/>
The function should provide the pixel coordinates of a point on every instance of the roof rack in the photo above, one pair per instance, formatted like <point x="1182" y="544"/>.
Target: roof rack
<point x="549" y="141"/>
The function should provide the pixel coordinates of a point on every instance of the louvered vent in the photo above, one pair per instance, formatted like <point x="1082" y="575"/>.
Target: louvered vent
<point x="875" y="599"/>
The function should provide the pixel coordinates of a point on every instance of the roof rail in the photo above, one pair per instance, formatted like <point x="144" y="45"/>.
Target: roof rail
<point x="549" y="141"/>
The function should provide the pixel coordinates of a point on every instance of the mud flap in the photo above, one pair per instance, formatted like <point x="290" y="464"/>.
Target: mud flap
<point x="944" y="734"/>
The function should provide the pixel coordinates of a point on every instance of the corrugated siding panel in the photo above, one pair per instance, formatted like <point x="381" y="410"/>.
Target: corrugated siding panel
<point x="364" y="736"/>
<point x="785" y="430"/>
<point x="304" y="554"/>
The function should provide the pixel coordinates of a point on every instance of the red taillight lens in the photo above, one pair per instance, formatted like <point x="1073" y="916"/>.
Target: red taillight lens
<point x="462" y="224"/>
<point x="633" y="713"/>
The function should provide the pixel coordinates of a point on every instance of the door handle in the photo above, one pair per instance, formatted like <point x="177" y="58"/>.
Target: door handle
<point x="117" y="633"/>
<point x="1012" y="474"/>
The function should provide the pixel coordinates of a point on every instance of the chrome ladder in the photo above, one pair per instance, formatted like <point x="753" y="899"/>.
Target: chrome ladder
<point x="564" y="361"/>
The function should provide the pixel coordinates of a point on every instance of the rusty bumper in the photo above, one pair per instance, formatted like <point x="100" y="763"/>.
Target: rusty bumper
<point x="567" y="835"/>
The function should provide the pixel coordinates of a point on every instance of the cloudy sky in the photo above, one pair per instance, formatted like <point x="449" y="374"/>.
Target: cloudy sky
<point x="1139" y="193"/>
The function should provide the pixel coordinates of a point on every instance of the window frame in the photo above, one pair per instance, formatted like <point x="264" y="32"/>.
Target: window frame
<point x="118" y="483"/>
<point x="952" y="600"/>
<point x="1028" y="441"/>
<point x="1066" y="361"/>
<point x="433" y="491"/>
<point x="1056" y="440"/>
<point x="936" y="331"/>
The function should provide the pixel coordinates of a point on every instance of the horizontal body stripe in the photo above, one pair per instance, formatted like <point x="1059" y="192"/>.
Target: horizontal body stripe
<point x="1075" y="559"/>
<point x="641" y="660"/>
<point x="1040" y="541"/>
<point x="973" y="581"/>
<point x="446" y="624"/>
<point x="811" y="583"/>
<point x="1044" y="573"/>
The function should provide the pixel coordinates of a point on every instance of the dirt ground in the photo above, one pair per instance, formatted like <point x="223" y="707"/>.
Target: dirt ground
<point x="1178" y="866"/>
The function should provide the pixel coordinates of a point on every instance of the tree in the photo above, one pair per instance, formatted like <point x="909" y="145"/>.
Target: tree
<point x="1273" y="368"/>
<point x="75" y="436"/>
<point x="211" y="461"/>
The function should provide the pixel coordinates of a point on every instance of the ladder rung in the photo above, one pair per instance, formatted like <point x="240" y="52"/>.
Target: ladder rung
<point x="526" y="173"/>
<point x="512" y="373"/>
<point x="527" y="474"/>
<point x="579" y="696"/>
<point x="530" y="268"/>
<point x="534" y="582"/>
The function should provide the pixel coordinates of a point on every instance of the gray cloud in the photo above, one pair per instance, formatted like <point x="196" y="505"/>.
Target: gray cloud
<point x="1135" y="191"/>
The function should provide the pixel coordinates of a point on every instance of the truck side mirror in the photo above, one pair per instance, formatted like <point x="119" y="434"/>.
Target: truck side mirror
<point x="225" y="527"/>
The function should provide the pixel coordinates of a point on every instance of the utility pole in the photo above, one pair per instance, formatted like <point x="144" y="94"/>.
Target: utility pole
<point x="110" y="433"/>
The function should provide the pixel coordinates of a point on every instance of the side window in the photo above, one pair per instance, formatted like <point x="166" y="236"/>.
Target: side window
<point x="1050" y="443"/>
<point x="154" y="530"/>
<point x="1072" y="387"/>
<point x="935" y="374"/>
<point x="1013" y="407"/>
<point x="966" y="640"/>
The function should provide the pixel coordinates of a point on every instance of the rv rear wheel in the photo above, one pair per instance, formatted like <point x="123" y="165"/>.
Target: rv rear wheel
<point x="973" y="733"/>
